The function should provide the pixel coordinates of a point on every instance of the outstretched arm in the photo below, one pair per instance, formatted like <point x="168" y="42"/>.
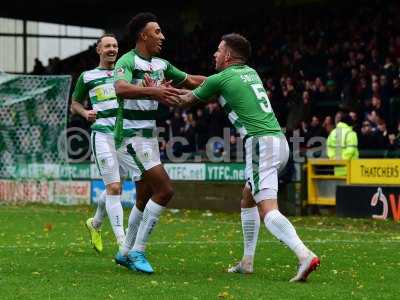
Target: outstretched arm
<point x="203" y="93"/>
<point x="182" y="79"/>
<point x="165" y="95"/>
<point x="187" y="99"/>
<point x="193" y="81"/>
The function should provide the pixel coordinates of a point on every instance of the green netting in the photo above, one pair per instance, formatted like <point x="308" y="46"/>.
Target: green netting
<point x="33" y="121"/>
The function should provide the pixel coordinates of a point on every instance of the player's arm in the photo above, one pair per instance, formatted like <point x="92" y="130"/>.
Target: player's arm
<point x="187" y="99"/>
<point x="79" y="95"/>
<point x="193" y="81"/>
<point x="165" y="95"/>
<point x="182" y="79"/>
<point x="78" y="108"/>
<point x="124" y="88"/>
<point x="205" y="92"/>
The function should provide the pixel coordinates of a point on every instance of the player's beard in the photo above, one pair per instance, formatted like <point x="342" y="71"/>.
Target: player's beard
<point x="157" y="48"/>
<point x="217" y="66"/>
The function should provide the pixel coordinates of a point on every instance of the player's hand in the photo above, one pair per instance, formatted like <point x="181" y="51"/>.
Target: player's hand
<point x="183" y="91"/>
<point x="168" y="96"/>
<point x="184" y="102"/>
<point x="166" y="83"/>
<point x="148" y="81"/>
<point x="90" y="115"/>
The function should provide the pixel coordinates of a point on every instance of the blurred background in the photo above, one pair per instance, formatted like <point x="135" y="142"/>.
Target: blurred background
<point x="314" y="57"/>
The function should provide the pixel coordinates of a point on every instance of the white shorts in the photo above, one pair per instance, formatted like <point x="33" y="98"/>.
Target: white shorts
<point x="112" y="164"/>
<point x="266" y="156"/>
<point x="144" y="152"/>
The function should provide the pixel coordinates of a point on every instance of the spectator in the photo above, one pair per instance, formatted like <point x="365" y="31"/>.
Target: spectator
<point x="382" y="134"/>
<point x="376" y="105"/>
<point x="314" y="129"/>
<point x="177" y="123"/>
<point x="394" y="138"/>
<point x="201" y="129"/>
<point x="396" y="87"/>
<point x="38" y="68"/>
<point x="328" y="125"/>
<point x="189" y="133"/>
<point x="342" y="142"/>
<point x="368" y="140"/>
<point x="306" y="72"/>
<point x="217" y="120"/>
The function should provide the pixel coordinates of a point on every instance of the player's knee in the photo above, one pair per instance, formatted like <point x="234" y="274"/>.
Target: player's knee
<point x="167" y="193"/>
<point x="247" y="198"/>
<point x="114" y="188"/>
<point x="247" y="203"/>
<point x="266" y="201"/>
<point x="141" y="203"/>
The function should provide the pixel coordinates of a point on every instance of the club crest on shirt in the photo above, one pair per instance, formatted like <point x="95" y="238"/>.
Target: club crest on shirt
<point x="146" y="156"/>
<point x="120" y="71"/>
<point x="103" y="162"/>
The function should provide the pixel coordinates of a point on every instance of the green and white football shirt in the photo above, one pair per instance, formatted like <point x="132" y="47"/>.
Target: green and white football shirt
<point x="139" y="114"/>
<point x="99" y="85"/>
<point x="243" y="97"/>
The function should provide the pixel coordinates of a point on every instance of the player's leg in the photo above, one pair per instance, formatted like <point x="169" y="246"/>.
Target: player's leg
<point x="273" y="155"/>
<point x="283" y="230"/>
<point x="143" y="194"/>
<point x="100" y="211"/>
<point x="94" y="224"/>
<point x="250" y="225"/>
<point x="107" y="162"/>
<point x="159" y="181"/>
<point x="146" y="154"/>
<point x="114" y="210"/>
<point x="130" y="163"/>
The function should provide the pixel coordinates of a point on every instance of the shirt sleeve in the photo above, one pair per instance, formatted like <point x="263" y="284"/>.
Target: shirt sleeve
<point x="331" y="147"/>
<point x="81" y="91"/>
<point x="124" y="69"/>
<point x="173" y="73"/>
<point x="351" y="144"/>
<point x="210" y="87"/>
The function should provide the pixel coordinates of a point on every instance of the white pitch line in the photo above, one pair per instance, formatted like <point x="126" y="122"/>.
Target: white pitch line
<point x="276" y="242"/>
<point x="333" y="230"/>
<point x="178" y="243"/>
<point x="208" y="219"/>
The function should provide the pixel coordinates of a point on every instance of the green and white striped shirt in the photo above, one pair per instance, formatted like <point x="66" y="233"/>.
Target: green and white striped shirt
<point x="98" y="84"/>
<point x="139" y="114"/>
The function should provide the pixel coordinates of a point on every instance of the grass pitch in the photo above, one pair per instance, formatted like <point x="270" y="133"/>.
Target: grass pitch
<point x="45" y="254"/>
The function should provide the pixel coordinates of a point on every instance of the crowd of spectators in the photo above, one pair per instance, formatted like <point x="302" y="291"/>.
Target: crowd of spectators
<point x="313" y="61"/>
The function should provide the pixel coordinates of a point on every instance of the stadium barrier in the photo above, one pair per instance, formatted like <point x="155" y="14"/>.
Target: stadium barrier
<point x="65" y="184"/>
<point x="360" y="201"/>
<point x="214" y="186"/>
<point x="322" y="182"/>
